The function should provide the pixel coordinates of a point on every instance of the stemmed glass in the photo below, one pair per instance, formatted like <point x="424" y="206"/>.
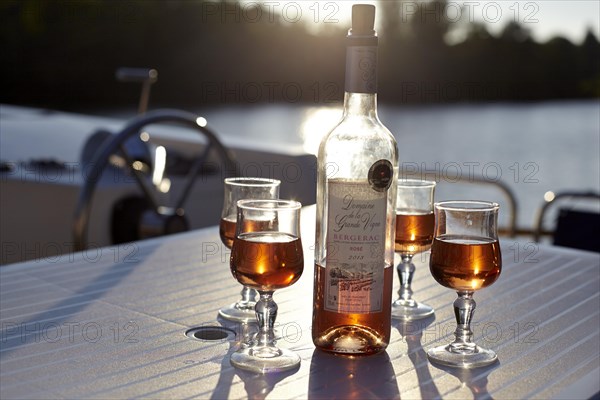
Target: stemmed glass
<point x="465" y="256"/>
<point x="266" y="259"/>
<point x="414" y="233"/>
<point x="238" y="189"/>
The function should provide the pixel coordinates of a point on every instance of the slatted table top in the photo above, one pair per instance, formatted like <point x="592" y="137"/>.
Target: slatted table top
<point x="111" y="323"/>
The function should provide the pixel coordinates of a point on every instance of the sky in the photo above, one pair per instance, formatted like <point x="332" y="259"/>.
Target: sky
<point x="544" y="18"/>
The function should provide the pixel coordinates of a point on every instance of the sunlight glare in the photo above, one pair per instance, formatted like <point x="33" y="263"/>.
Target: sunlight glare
<point x="160" y="161"/>
<point x="144" y="136"/>
<point x="549" y="196"/>
<point x="165" y="186"/>
<point x="316" y="124"/>
<point x="201" y="121"/>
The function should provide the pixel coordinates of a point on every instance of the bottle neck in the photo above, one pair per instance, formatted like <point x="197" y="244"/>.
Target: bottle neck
<point x="360" y="96"/>
<point x="360" y="104"/>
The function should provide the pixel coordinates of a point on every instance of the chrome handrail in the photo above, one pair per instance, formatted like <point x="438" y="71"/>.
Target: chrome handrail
<point x="513" y="208"/>
<point x="538" y="231"/>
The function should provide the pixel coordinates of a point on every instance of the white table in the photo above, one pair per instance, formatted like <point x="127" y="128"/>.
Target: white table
<point x="111" y="323"/>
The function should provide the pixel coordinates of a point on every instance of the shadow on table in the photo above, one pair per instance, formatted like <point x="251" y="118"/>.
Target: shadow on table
<point x="412" y="333"/>
<point x="223" y="386"/>
<point x="33" y="330"/>
<point x="348" y="377"/>
<point x="257" y="386"/>
<point x="475" y="379"/>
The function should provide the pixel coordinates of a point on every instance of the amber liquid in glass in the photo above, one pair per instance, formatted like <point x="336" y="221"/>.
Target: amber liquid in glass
<point x="414" y="232"/>
<point x="267" y="260"/>
<point x="465" y="263"/>
<point x="227" y="229"/>
<point x="227" y="232"/>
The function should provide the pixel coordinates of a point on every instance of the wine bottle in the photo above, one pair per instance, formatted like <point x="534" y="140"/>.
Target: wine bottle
<point x="356" y="199"/>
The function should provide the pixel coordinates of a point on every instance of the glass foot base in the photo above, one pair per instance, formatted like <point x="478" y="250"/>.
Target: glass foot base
<point x="239" y="313"/>
<point x="472" y="358"/>
<point x="410" y="311"/>
<point x="265" y="360"/>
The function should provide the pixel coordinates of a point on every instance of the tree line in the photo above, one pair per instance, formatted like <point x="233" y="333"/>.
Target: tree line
<point x="63" y="54"/>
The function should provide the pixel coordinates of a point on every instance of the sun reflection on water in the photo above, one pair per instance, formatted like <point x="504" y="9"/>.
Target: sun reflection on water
<point x="316" y="123"/>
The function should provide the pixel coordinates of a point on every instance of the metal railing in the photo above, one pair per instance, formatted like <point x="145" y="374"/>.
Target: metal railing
<point x="513" y="207"/>
<point x="538" y="228"/>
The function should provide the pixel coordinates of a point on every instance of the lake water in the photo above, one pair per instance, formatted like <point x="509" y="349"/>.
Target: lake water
<point x="533" y="148"/>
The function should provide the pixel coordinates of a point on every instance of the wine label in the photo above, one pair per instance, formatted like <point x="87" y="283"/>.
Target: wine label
<point x="355" y="258"/>
<point x="361" y="69"/>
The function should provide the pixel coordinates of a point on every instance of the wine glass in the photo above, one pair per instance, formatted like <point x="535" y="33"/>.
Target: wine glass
<point x="465" y="256"/>
<point x="414" y="233"/>
<point x="266" y="259"/>
<point x="238" y="189"/>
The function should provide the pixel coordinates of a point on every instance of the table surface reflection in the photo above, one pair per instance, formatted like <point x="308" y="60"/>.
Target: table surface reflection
<point x="111" y="323"/>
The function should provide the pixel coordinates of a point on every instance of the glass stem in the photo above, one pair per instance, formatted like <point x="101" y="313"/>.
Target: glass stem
<point x="464" y="307"/>
<point x="406" y="270"/>
<point x="266" y="313"/>
<point x="248" y="298"/>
